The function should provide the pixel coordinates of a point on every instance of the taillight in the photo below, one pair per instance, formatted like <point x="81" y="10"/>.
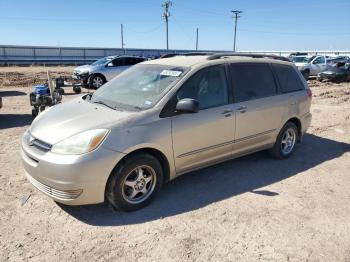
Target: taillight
<point x="309" y="92"/>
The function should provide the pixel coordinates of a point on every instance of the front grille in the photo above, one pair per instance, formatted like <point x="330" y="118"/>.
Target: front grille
<point x="60" y="194"/>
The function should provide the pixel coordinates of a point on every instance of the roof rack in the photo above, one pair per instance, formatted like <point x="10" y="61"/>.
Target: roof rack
<point x="198" y="53"/>
<point x="221" y="55"/>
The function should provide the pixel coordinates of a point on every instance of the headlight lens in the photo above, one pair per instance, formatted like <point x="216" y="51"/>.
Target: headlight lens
<point x="81" y="143"/>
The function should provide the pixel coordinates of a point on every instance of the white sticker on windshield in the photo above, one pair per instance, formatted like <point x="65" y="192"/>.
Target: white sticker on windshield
<point x="170" y="73"/>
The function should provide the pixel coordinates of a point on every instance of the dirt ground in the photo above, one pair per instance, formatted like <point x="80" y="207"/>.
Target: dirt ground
<point x="27" y="76"/>
<point x="247" y="209"/>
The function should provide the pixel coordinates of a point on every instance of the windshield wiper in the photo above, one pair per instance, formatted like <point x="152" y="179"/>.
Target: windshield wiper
<point x="103" y="103"/>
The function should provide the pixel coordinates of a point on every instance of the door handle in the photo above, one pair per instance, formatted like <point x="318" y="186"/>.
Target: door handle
<point x="242" y="109"/>
<point x="227" y="111"/>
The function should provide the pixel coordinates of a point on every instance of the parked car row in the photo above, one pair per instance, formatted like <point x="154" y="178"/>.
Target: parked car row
<point x="318" y="65"/>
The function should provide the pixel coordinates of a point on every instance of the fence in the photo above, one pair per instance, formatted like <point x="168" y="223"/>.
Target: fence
<point x="27" y="55"/>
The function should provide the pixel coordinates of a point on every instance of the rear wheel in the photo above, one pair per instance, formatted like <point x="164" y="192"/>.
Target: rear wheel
<point x="286" y="141"/>
<point x="135" y="182"/>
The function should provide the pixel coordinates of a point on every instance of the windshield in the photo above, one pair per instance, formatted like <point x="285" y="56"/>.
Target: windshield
<point x="300" y="59"/>
<point x="102" y="61"/>
<point x="139" y="87"/>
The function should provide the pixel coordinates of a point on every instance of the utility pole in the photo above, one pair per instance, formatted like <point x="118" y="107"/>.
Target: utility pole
<point x="197" y="39"/>
<point x="236" y="13"/>
<point x="166" y="15"/>
<point x="122" y="36"/>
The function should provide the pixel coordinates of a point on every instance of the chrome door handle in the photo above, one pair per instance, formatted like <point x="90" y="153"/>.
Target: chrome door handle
<point x="242" y="109"/>
<point x="227" y="111"/>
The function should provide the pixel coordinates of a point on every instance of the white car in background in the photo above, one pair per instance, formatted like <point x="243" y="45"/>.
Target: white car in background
<point x="311" y="65"/>
<point x="103" y="70"/>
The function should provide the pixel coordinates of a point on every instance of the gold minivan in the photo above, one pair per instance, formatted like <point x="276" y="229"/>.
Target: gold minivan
<point x="163" y="118"/>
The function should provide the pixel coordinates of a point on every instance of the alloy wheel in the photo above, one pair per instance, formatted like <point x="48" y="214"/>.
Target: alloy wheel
<point x="288" y="141"/>
<point x="139" y="184"/>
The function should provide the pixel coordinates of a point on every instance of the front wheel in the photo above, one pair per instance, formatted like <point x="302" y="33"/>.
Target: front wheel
<point x="96" y="81"/>
<point x="306" y="74"/>
<point x="135" y="182"/>
<point x="285" y="142"/>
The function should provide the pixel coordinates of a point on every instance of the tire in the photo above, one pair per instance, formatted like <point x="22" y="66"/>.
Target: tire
<point x="128" y="189"/>
<point x="280" y="149"/>
<point x="77" y="89"/>
<point x="35" y="112"/>
<point x="306" y="74"/>
<point x="60" y="90"/>
<point x="96" y="81"/>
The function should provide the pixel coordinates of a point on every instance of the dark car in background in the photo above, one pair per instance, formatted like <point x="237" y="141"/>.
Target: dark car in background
<point x="338" y="73"/>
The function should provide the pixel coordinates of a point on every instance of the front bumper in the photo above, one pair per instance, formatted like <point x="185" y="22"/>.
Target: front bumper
<point x="70" y="179"/>
<point x="83" y="78"/>
<point x="332" y="77"/>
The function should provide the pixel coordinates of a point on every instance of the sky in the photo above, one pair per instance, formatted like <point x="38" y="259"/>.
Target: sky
<point x="265" y="25"/>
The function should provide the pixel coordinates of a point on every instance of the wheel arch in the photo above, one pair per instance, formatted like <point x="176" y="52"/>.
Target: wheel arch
<point x="160" y="156"/>
<point x="297" y="122"/>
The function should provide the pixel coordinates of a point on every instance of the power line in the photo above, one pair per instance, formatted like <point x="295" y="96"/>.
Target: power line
<point x="236" y="13"/>
<point x="166" y="15"/>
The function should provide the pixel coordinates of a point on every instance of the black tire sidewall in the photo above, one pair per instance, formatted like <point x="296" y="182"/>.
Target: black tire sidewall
<point x="277" y="150"/>
<point x="77" y="90"/>
<point x="114" y="186"/>
<point x="306" y="75"/>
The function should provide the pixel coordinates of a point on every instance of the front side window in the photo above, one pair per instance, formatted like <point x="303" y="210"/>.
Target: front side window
<point x="102" y="61"/>
<point x="288" y="78"/>
<point x="320" y="60"/>
<point x="140" y="87"/>
<point x="252" y="81"/>
<point x="208" y="86"/>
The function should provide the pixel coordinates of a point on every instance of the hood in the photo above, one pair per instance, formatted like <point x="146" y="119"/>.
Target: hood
<point x="301" y="64"/>
<point x="334" y="71"/>
<point x="67" y="119"/>
<point x="82" y="68"/>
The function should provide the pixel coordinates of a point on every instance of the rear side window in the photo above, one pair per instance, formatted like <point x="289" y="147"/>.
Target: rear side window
<point x="252" y="81"/>
<point x="129" y="61"/>
<point x="288" y="78"/>
<point x="118" y="62"/>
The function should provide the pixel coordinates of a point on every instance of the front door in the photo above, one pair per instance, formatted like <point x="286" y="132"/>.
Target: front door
<point x="318" y="65"/>
<point x="207" y="136"/>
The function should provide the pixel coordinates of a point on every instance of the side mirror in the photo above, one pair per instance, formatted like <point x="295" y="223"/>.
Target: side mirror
<point x="110" y="64"/>
<point x="187" y="106"/>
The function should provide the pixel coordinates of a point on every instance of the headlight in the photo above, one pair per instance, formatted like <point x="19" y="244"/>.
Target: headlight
<point x="81" y="143"/>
